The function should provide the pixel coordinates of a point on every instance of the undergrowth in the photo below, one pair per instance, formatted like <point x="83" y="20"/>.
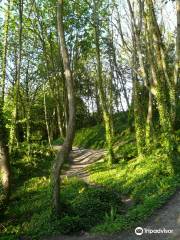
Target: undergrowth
<point x="29" y="213"/>
<point x="93" y="137"/>
<point x="147" y="181"/>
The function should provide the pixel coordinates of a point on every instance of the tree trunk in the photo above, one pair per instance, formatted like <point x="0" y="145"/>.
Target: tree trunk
<point x="66" y="147"/>
<point x="14" y="129"/>
<point x="165" y="91"/>
<point x="139" y="117"/>
<point x="111" y="78"/>
<point x="5" y="172"/>
<point x="60" y="121"/>
<point x="149" y="121"/>
<point x="103" y="100"/>
<point x="4" y="162"/>
<point x="46" y="117"/>
<point x="5" y="48"/>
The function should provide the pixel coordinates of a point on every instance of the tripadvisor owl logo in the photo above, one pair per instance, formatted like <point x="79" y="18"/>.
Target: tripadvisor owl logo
<point x="139" y="231"/>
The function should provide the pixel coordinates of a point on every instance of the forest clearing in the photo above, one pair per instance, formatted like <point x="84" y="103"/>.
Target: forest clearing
<point x="90" y="120"/>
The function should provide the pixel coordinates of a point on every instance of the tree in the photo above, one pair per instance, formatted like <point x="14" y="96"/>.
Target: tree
<point x="4" y="151"/>
<point x="165" y="88"/>
<point x="14" y="129"/>
<point x="106" y="113"/>
<point x="67" y="145"/>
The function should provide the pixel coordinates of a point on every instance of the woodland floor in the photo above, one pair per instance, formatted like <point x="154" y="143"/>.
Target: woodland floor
<point x="167" y="217"/>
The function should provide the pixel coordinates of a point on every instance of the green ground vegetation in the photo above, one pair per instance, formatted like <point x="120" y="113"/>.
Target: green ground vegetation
<point x="97" y="207"/>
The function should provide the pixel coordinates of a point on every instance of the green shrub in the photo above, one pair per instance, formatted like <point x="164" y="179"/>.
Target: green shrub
<point x="92" y="205"/>
<point x="70" y="224"/>
<point x="87" y="204"/>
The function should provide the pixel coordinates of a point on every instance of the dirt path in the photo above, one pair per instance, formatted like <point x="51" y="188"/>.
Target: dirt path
<point x="166" y="218"/>
<point x="81" y="159"/>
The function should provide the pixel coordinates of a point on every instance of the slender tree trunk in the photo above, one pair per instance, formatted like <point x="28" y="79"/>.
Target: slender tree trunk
<point x="138" y="114"/>
<point x="149" y="121"/>
<point x="111" y="78"/>
<point x="28" y="128"/>
<point x="14" y="128"/>
<point x="27" y="108"/>
<point x="139" y="117"/>
<point x="5" y="173"/>
<point x="65" y="103"/>
<point x="5" y="48"/>
<point x="59" y="121"/>
<point x="99" y="112"/>
<point x="66" y="147"/>
<point x="66" y="108"/>
<point x="46" y="118"/>
<point x="19" y="66"/>
<point x="103" y="100"/>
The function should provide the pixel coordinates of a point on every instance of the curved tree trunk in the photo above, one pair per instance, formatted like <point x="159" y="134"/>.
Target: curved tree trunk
<point x="66" y="147"/>
<point x="4" y="156"/>
<point x="4" y="163"/>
